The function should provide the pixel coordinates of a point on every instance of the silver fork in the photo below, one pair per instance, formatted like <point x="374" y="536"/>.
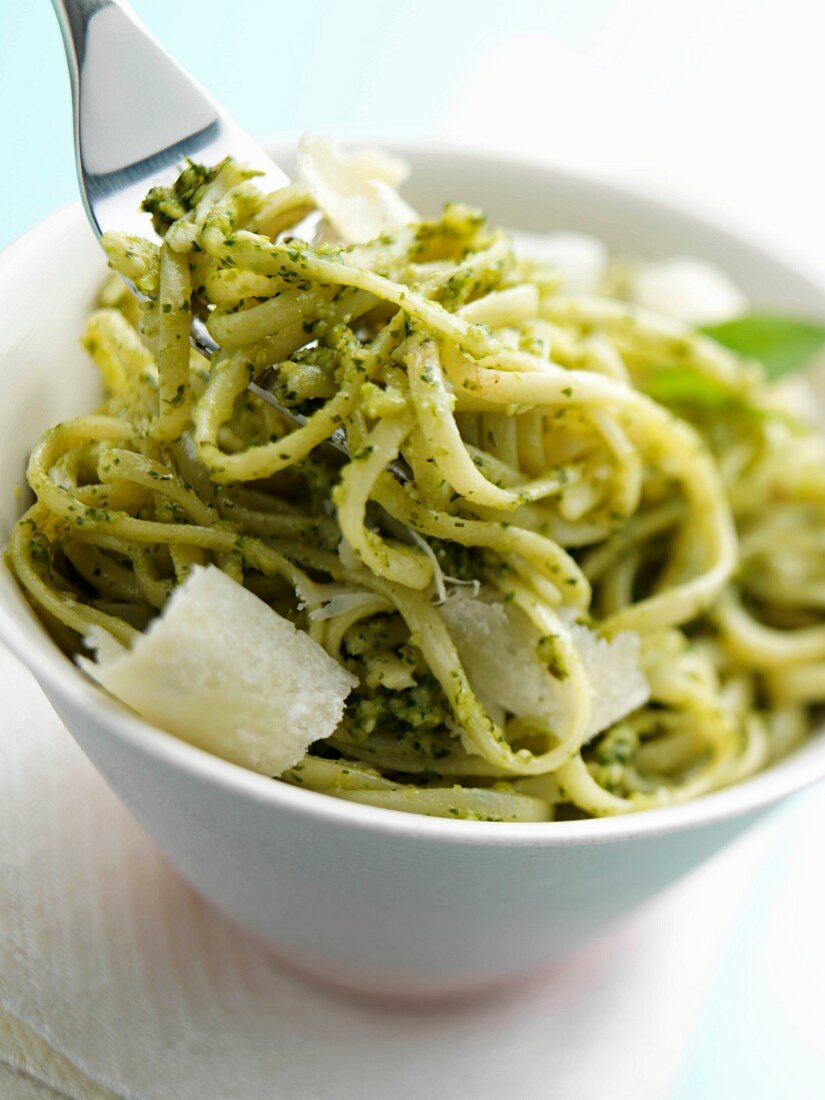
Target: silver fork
<point x="137" y="115"/>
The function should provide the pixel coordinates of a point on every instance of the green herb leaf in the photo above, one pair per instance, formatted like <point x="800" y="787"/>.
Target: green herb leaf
<point x="686" y="386"/>
<point x="781" y="344"/>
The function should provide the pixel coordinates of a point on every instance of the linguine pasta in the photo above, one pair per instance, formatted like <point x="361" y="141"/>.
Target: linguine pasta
<point x="592" y="498"/>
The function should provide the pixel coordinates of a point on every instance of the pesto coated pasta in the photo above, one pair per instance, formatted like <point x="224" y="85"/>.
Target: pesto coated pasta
<point x="574" y="558"/>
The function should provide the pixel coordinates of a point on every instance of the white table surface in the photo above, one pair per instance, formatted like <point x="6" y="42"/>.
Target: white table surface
<point x="716" y="103"/>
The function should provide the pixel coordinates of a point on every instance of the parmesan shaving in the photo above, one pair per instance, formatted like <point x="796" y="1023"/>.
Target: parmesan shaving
<point x="356" y="191"/>
<point x="498" y="646"/>
<point x="223" y="671"/>
<point x="614" y="671"/>
<point x="688" y="290"/>
<point x="579" y="260"/>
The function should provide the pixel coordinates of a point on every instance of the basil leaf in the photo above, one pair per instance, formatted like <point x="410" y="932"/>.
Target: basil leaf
<point x="781" y="344"/>
<point x="685" y="386"/>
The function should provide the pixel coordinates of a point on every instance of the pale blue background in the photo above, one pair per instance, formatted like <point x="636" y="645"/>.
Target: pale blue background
<point x="297" y="74"/>
<point x="738" y="114"/>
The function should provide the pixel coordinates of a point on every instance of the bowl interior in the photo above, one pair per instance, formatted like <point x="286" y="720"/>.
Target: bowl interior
<point x="48" y="281"/>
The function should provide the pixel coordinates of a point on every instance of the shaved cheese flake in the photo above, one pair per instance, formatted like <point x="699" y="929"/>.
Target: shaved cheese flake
<point x="223" y="671"/>
<point x="499" y="655"/>
<point x="614" y="671"/>
<point x="579" y="260"/>
<point x="688" y="290"/>
<point x="355" y="191"/>
<point x="498" y="646"/>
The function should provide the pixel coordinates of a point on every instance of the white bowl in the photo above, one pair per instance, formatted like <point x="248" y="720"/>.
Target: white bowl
<point x="372" y="898"/>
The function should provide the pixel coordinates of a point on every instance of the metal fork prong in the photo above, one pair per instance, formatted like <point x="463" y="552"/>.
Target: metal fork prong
<point x="399" y="469"/>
